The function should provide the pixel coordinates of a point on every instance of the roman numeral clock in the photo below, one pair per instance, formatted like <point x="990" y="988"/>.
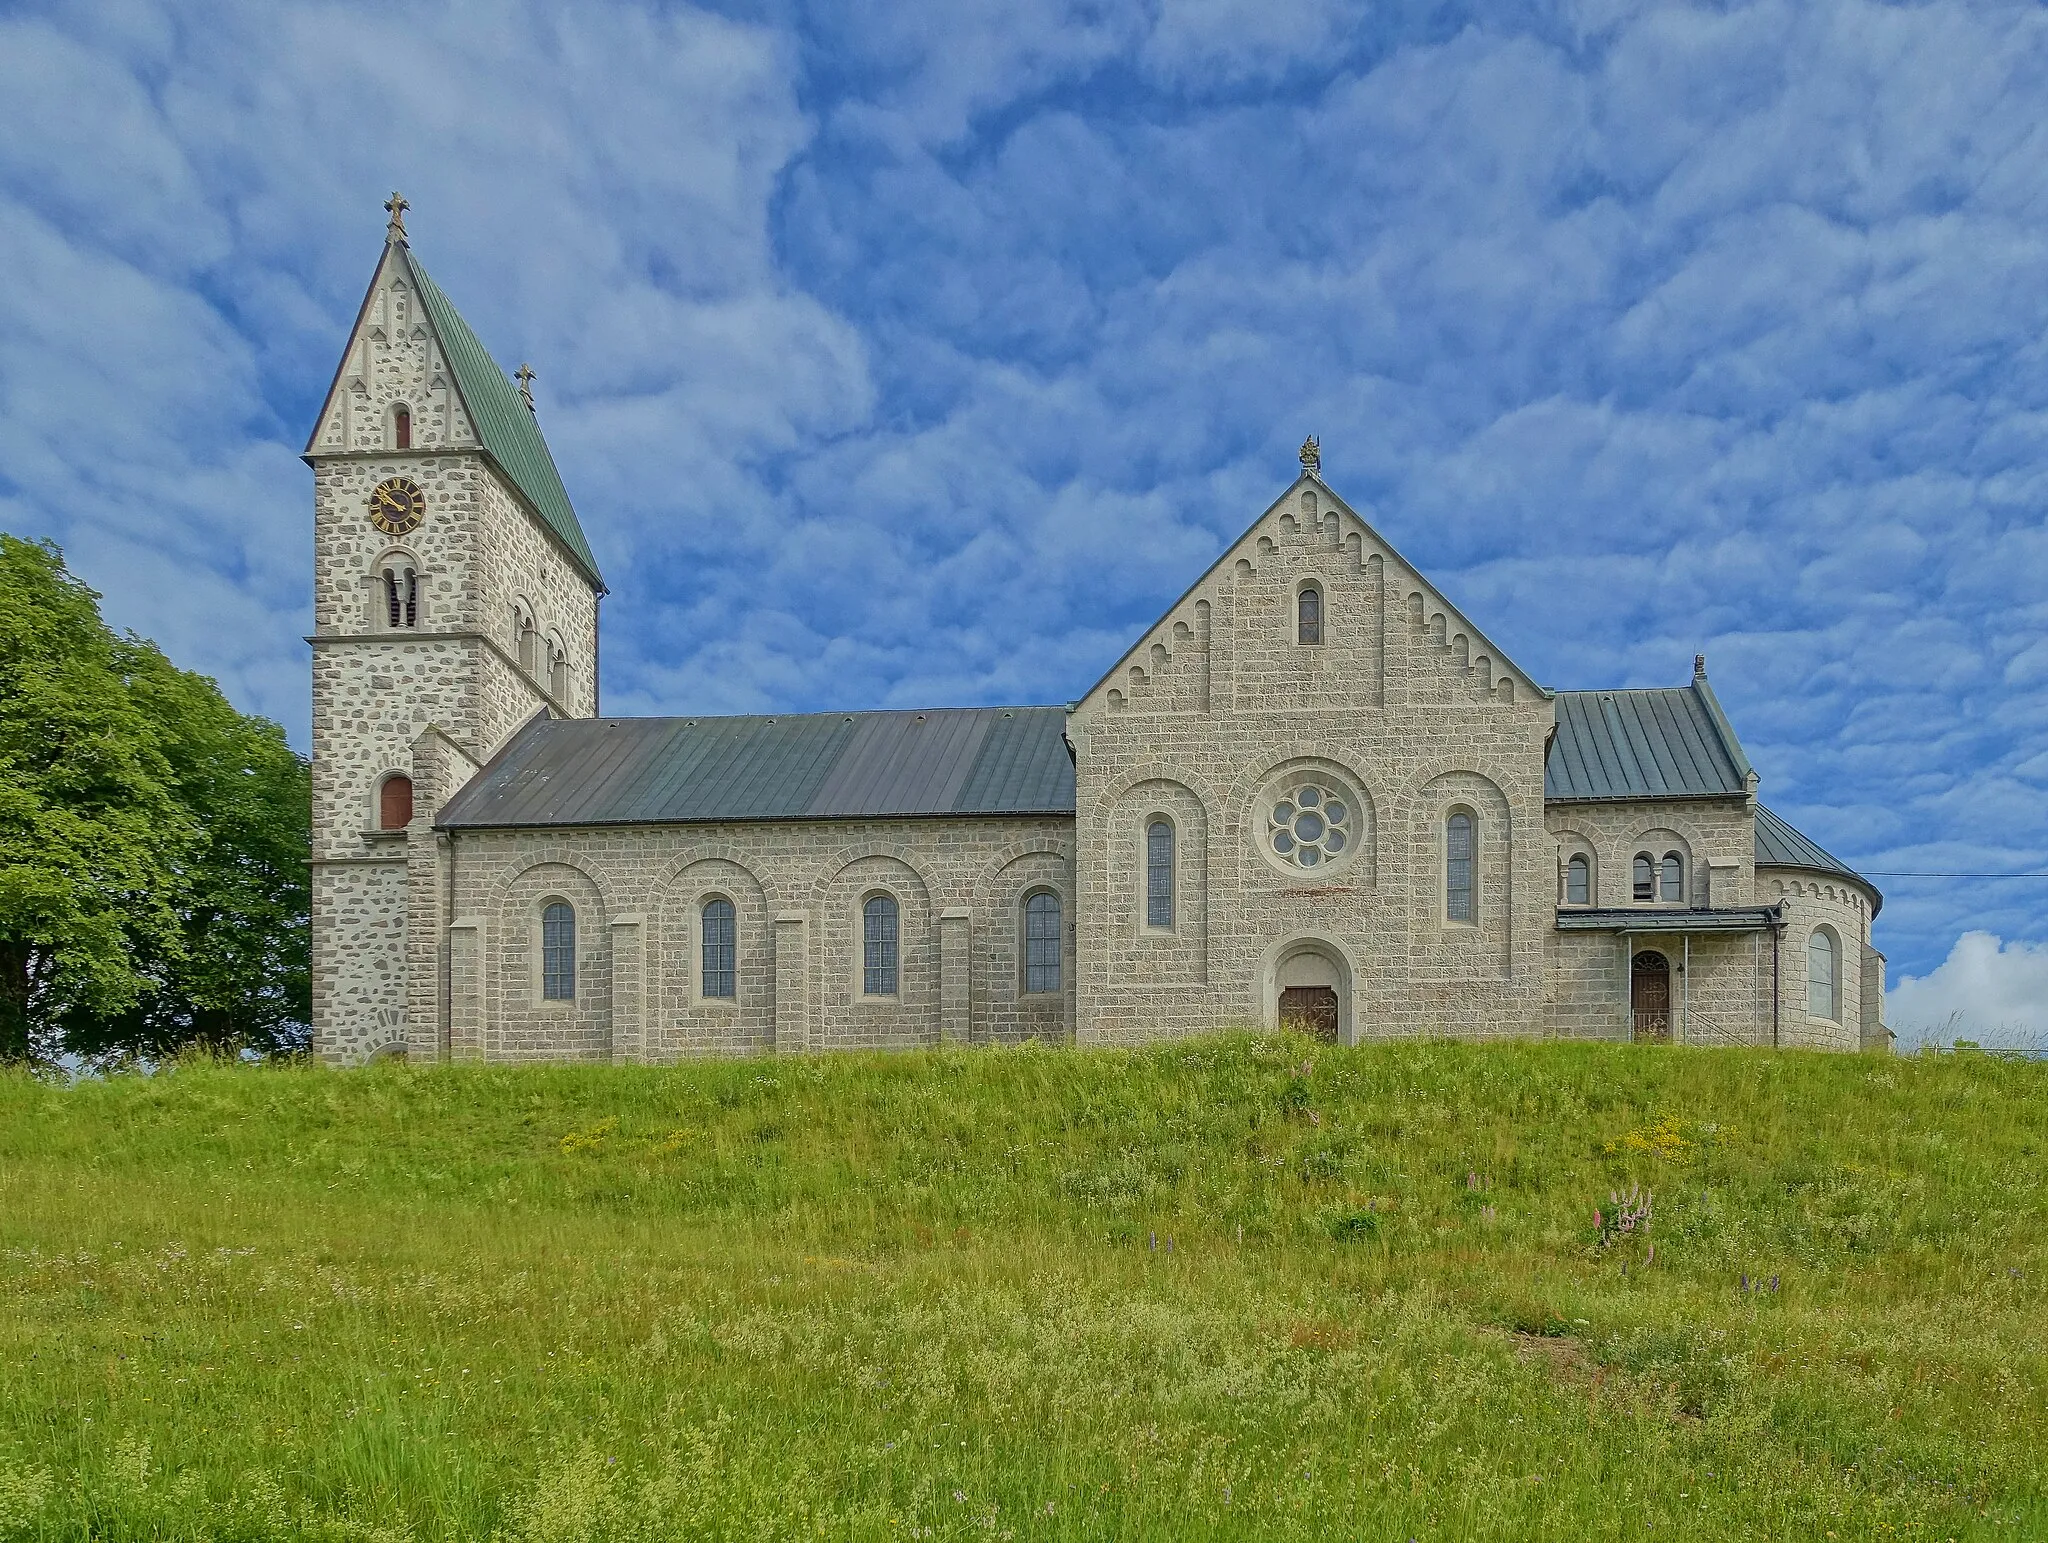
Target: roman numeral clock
<point x="397" y="506"/>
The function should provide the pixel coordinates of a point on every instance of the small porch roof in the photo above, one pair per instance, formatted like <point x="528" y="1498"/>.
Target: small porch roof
<point x="1670" y="919"/>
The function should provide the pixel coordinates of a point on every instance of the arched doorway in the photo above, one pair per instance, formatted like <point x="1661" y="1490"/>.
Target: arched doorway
<point x="1649" y="996"/>
<point x="1311" y="994"/>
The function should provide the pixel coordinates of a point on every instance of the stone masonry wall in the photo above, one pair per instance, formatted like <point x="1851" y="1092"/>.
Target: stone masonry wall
<point x="797" y="888"/>
<point x="1815" y="900"/>
<point x="1403" y="711"/>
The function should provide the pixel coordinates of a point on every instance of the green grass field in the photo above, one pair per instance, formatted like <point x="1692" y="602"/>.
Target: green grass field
<point x="1245" y="1288"/>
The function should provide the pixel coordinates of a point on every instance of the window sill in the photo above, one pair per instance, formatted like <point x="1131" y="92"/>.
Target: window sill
<point x="388" y="835"/>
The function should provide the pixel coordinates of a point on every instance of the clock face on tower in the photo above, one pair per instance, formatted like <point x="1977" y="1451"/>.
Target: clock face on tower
<point x="397" y="506"/>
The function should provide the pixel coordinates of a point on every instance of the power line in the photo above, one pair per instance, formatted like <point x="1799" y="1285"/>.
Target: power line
<point x="1899" y="873"/>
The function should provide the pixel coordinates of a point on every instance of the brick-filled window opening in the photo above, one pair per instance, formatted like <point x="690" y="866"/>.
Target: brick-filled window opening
<point x="1459" y="867"/>
<point x="1159" y="874"/>
<point x="1645" y="878"/>
<point x="1308" y="615"/>
<point x="879" y="933"/>
<point x="525" y="637"/>
<point x="1042" y="942"/>
<point x="394" y="803"/>
<point x="720" y="946"/>
<point x="1823" y="976"/>
<point x="401" y="428"/>
<point x="1673" y="887"/>
<point x="558" y="676"/>
<point x="558" y="952"/>
<point x="1578" y="881"/>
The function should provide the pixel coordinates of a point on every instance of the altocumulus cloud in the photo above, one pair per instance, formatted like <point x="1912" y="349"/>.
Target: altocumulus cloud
<point x="919" y="354"/>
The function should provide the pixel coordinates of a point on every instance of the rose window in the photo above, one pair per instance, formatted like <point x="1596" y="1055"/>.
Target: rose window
<point x="1311" y="826"/>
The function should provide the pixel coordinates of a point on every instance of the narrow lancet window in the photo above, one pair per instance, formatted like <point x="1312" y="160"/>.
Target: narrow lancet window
<point x="1578" y="881"/>
<point x="1645" y="887"/>
<point x="1674" y="877"/>
<point x="1459" y="867"/>
<point x="1308" y="615"/>
<point x="720" y="936"/>
<point x="878" y="946"/>
<point x="1042" y="942"/>
<point x="1823" y="976"/>
<point x="1159" y="875"/>
<point x="558" y="953"/>
<point x="401" y="429"/>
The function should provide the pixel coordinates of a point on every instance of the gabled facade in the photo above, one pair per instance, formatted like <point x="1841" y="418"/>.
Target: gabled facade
<point x="1312" y="793"/>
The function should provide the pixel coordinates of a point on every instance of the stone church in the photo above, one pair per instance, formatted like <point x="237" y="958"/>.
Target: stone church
<point x="1313" y="793"/>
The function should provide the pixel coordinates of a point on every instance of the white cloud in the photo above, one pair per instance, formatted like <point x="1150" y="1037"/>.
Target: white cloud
<point x="1987" y="990"/>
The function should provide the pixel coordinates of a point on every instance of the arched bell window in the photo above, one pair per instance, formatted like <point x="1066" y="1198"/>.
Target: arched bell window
<point x="401" y="600"/>
<point x="401" y="427"/>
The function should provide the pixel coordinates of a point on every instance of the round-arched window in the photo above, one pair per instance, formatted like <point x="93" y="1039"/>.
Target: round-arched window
<point x="1311" y="825"/>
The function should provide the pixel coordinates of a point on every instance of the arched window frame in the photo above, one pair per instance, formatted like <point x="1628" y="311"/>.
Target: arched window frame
<point x="1643" y="879"/>
<point x="1161" y="849"/>
<point x="1461" y="867"/>
<point x="386" y="795"/>
<point x="1824" y="996"/>
<point x="525" y="636"/>
<point x="1044" y="951"/>
<point x="1671" y="879"/>
<point x="881" y="945"/>
<point x="1578" y="879"/>
<point x="559" y="680"/>
<point x="718" y="934"/>
<point x="399" y="420"/>
<point x="557" y="951"/>
<point x="1311" y="614"/>
<point x="398" y="592"/>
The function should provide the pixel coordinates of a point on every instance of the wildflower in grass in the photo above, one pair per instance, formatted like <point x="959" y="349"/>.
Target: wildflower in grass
<point x="1631" y="1215"/>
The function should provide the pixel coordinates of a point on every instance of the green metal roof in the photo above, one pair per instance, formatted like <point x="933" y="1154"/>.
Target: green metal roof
<point x="503" y="421"/>
<point x="1671" y="742"/>
<point x="1778" y="845"/>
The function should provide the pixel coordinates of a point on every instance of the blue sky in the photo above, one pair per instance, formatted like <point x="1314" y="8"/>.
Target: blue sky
<point x="904" y="353"/>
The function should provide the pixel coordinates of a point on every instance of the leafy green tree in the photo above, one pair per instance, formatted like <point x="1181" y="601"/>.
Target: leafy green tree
<point x="153" y="888"/>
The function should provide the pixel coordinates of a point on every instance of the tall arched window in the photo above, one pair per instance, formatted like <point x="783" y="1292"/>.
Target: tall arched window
<point x="1578" y="880"/>
<point x="1823" y="976"/>
<point x="401" y="427"/>
<point x="1459" y="867"/>
<point x="1674" y="878"/>
<point x="720" y="929"/>
<point x="525" y="638"/>
<point x="558" y="676"/>
<point x="1645" y="877"/>
<point x="558" y="952"/>
<point x="1042" y="942"/>
<point x="1308" y="614"/>
<point x="878" y="941"/>
<point x="1159" y="874"/>
<point x="394" y="803"/>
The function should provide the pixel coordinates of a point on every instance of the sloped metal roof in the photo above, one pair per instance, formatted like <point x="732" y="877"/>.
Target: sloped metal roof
<point x="810" y="766"/>
<point x="1665" y="743"/>
<point x="1778" y="845"/>
<point x="503" y="421"/>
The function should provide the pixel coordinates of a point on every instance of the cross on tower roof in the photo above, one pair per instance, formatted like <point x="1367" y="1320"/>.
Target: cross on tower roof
<point x="395" y="206"/>
<point x="524" y="375"/>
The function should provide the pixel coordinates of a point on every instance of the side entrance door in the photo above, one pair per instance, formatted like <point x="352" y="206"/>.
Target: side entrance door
<point x="1650" y="996"/>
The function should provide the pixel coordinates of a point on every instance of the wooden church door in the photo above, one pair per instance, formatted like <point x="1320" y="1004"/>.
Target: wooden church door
<point x="1650" y="996"/>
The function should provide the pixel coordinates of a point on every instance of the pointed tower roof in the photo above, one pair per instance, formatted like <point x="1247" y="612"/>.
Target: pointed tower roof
<point x="499" y="412"/>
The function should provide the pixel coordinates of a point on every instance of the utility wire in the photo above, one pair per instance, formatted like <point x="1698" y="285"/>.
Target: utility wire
<point x="1898" y="873"/>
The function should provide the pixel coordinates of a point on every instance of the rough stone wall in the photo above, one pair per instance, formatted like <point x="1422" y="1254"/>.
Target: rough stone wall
<point x="1402" y="709"/>
<point x="392" y="358"/>
<point x="1717" y="838"/>
<point x="359" y="985"/>
<point x="797" y="889"/>
<point x="1815" y="900"/>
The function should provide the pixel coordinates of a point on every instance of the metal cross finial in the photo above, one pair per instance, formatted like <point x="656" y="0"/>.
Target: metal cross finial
<point x="1311" y="457"/>
<point x="1699" y="666"/>
<point x="524" y="375"/>
<point x="395" y="206"/>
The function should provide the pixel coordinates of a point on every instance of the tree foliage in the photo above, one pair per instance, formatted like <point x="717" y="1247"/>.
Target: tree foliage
<point x="153" y="842"/>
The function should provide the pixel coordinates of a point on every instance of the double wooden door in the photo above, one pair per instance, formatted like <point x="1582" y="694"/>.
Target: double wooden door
<point x="1310" y="1010"/>
<point x="1649" y="995"/>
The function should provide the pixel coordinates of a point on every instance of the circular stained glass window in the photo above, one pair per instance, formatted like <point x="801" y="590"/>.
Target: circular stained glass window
<point x="1310" y="826"/>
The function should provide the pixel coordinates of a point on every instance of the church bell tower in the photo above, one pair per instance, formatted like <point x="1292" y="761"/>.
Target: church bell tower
<point x="454" y="597"/>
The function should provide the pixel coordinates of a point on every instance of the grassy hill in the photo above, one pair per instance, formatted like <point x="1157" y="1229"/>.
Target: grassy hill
<point x="1245" y="1288"/>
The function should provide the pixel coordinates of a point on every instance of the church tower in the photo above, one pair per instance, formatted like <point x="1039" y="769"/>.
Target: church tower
<point x="454" y="597"/>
